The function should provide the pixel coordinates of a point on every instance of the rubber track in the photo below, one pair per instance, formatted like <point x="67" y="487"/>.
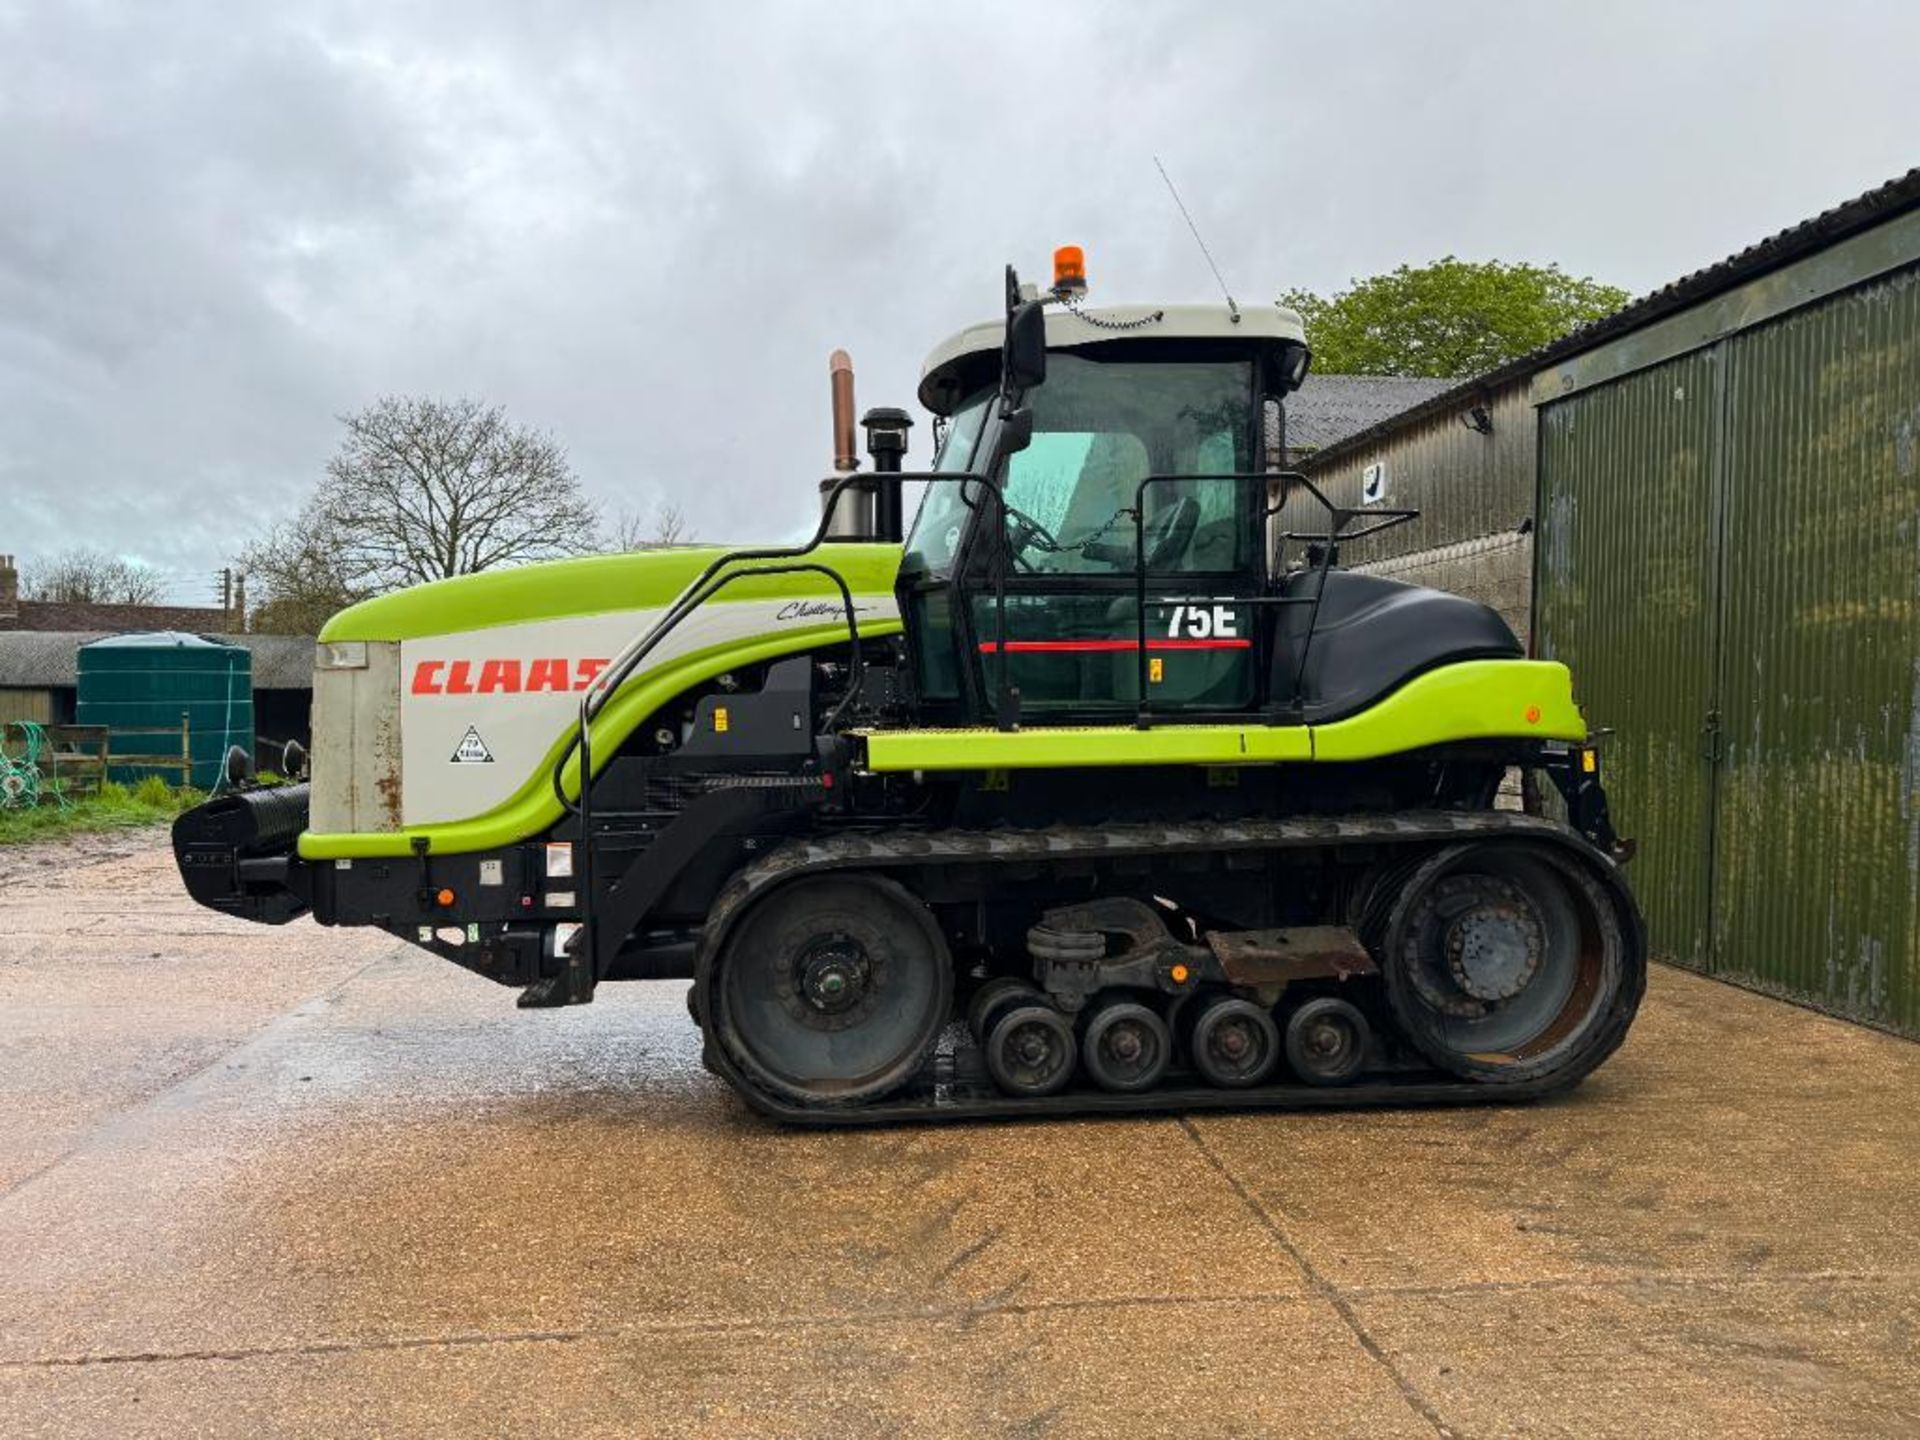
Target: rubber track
<point x="927" y="1100"/>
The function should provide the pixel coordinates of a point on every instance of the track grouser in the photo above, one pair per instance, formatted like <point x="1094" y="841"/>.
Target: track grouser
<point x="1100" y="788"/>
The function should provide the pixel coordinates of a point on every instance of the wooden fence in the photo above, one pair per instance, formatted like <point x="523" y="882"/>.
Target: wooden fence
<point x="78" y="757"/>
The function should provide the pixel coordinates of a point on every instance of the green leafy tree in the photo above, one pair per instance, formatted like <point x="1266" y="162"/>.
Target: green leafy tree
<point x="1451" y="318"/>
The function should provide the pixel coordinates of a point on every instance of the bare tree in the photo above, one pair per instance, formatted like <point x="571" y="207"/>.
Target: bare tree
<point x="666" y="527"/>
<point x="425" y="489"/>
<point x="296" y="579"/>
<point x="85" y="576"/>
<point x="420" y="490"/>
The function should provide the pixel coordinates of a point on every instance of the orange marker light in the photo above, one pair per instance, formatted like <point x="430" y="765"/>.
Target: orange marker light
<point x="1179" y="974"/>
<point x="1533" y="714"/>
<point x="445" y="897"/>
<point x="1070" y="269"/>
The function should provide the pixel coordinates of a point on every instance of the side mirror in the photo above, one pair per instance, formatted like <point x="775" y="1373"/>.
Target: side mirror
<point x="1024" y="359"/>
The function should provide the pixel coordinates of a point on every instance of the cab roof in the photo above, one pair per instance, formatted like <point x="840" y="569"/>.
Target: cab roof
<point x="965" y="360"/>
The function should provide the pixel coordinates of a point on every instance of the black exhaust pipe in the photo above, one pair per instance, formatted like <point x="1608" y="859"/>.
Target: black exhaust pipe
<point x="236" y="853"/>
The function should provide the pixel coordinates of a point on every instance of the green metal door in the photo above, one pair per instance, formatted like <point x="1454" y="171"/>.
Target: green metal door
<point x="1817" y="839"/>
<point x="1624" y="595"/>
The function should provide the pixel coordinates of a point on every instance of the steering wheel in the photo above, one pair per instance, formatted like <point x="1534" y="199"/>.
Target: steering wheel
<point x="1026" y="533"/>
<point x="1171" y="531"/>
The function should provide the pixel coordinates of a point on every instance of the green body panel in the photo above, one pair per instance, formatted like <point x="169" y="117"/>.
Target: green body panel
<point x="1475" y="700"/>
<point x="533" y="809"/>
<point x="645" y="579"/>
<point x="1070" y="746"/>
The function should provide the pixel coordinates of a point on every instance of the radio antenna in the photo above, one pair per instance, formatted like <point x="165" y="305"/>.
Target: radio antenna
<point x="1232" y="308"/>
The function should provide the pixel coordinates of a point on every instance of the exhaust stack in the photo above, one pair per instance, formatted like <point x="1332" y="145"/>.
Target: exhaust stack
<point x="852" y="517"/>
<point x="886" y="430"/>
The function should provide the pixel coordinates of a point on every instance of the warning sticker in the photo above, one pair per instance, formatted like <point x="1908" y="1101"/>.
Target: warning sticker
<point x="472" y="749"/>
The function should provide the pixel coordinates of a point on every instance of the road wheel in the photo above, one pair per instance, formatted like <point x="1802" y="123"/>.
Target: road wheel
<point x="1327" y="1041"/>
<point x="1031" y="1050"/>
<point x="1234" y="1043"/>
<point x="1126" y="1047"/>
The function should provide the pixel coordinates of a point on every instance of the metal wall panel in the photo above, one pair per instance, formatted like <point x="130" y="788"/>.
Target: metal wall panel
<point x="1625" y="597"/>
<point x="1817" y="844"/>
<point x="1465" y="484"/>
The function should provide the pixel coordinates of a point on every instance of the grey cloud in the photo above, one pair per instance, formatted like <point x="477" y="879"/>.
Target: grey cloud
<point x="644" y="226"/>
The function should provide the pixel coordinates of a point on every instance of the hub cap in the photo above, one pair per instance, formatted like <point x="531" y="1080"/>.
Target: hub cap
<point x="1493" y="950"/>
<point x="833" y="975"/>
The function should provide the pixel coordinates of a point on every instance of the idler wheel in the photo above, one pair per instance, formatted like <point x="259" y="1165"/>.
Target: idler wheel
<point x="1126" y="1047"/>
<point x="831" y="990"/>
<point x="1235" y="1043"/>
<point x="1031" y="1050"/>
<point x="1327" y="1042"/>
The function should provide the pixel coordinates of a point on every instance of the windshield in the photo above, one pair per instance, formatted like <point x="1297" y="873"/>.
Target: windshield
<point x="1100" y="428"/>
<point x="1103" y="426"/>
<point x="936" y="529"/>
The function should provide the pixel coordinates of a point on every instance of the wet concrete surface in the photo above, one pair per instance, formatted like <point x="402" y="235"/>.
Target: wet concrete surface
<point x="297" y="1181"/>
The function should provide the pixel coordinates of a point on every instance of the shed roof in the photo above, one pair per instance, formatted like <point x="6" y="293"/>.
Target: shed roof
<point x="1863" y="212"/>
<point x="1328" y="408"/>
<point x="46" y="659"/>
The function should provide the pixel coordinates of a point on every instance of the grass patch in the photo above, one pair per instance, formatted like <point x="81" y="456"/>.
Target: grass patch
<point x="113" y="807"/>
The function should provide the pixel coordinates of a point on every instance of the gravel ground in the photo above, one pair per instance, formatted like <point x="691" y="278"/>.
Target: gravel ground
<point x="296" y="1181"/>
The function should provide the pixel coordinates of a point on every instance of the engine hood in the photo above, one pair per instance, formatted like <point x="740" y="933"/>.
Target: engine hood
<point x="598" y="584"/>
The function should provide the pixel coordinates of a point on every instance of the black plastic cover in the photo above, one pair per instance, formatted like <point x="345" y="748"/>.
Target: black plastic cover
<point x="236" y="856"/>
<point x="1371" y="636"/>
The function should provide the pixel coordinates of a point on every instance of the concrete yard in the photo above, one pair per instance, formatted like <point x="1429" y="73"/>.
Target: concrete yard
<point x="316" y="1182"/>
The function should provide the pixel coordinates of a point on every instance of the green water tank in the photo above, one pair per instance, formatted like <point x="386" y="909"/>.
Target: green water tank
<point x="140" y="686"/>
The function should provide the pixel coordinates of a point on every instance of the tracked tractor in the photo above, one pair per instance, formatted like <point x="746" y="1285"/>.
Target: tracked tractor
<point x="1105" y="787"/>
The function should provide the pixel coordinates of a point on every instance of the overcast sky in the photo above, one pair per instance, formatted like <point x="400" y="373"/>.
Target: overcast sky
<point x="643" y="227"/>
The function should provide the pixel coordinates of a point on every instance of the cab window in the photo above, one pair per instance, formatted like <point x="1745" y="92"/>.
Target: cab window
<point x="1103" y="426"/>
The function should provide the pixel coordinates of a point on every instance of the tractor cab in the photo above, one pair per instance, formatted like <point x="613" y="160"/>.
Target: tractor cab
<point x="1111" y="558"/>
<point x="1143" y="479"/>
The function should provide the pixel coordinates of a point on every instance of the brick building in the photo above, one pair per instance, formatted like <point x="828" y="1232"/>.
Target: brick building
<point x="19" y="614"/>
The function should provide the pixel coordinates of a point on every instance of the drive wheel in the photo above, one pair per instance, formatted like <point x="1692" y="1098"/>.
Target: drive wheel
<point x="1126" y="1048"/>
<point x="831" y="990"/>
<point x="1235" y="1043"/>
<point x="1508" y="963"/>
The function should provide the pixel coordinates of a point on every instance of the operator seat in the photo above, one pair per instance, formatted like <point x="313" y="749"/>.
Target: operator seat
<point x="1372" y="636"/>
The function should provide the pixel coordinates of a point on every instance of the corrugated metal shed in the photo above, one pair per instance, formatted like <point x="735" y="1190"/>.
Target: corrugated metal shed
<point x="1725" y="483"/>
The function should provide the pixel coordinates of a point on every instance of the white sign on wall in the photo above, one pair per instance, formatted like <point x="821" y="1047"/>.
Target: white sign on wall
<point x="1373" y="483"/>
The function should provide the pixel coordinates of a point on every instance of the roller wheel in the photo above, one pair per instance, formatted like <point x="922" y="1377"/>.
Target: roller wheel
<point x="1235" y="1043"/>
<point x="1327" y="1042"/>
<point x="1126" y="1048"/>
<point x="1510" y="963"/>
<point x="1031" y="1051"/>
<point x="831" y="990"/>
<point x="993" y="997"/>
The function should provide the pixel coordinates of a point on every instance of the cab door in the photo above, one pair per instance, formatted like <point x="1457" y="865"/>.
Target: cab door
<point x="1053" y="603"/>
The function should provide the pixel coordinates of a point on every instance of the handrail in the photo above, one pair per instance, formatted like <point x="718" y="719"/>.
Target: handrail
<point x="1338" y="516"/>
<point x="701" y="588"/>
